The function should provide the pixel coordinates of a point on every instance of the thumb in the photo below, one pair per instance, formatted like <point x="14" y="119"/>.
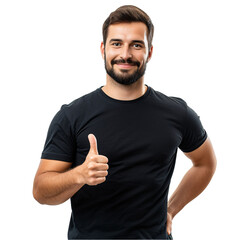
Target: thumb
<point x="93" y="144"/>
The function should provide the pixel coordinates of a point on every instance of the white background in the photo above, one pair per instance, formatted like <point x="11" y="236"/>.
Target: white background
<point x="49" y="55"/>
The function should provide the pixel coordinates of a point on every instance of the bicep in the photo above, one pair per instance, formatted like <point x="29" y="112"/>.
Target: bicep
<point x="203" y="155"/>
<point x="49" y="165"/>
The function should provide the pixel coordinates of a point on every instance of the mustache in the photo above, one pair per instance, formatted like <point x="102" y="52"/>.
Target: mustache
<point x="129" y="61"/>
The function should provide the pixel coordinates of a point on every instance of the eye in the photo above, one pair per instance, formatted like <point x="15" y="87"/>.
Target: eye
<point x="137" y="46"/>
<point x="116" y="44"/>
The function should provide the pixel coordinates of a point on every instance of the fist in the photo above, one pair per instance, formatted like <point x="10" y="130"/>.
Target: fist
<point x="94" y="169"/>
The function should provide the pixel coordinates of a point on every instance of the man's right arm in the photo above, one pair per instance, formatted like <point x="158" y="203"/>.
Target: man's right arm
<point x="55" y="182"/>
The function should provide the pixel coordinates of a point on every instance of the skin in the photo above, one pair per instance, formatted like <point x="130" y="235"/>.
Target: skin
<point x="124" y="49"/>
<point x="55" y="182"/>
<point x="195" y="180"/>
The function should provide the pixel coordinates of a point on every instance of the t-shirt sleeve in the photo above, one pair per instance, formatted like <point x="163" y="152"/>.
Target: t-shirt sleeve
<point x="194" y="135"/>
<point x="59" y="144"/>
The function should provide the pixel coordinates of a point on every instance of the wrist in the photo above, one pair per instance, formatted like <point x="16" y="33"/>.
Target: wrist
<point x="171" y="212"/>
<point x="77" y="175"/>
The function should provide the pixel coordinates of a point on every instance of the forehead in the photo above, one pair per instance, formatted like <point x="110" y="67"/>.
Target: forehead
<point x="128" y="31"/>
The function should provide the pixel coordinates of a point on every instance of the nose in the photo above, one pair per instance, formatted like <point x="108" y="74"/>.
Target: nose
<point x="126" y="52"/>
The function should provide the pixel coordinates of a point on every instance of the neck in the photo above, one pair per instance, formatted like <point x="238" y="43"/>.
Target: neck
<point x="124" y="92"/>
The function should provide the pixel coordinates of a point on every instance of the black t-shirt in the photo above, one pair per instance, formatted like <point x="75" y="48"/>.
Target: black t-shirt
<point x="140" y="138"/>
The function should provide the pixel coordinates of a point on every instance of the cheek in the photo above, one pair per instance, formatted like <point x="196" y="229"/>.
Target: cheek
<point x="110" y="56"/>
<point x="110" y="53"/>
<point x="142" y="58"/>
<point x="142" y="62"/>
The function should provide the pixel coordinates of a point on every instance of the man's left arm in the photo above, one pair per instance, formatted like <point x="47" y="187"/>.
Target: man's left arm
<point x="195" y="180"/>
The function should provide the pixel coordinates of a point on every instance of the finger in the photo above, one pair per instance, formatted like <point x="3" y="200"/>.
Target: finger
<point x="102" y="159"/>
<point x="169" y="227"/>
<point x="101" y="174"/>
<point x="168" y="231"/>
<point x="102" y="167"/>
<point x="93" y="144"/>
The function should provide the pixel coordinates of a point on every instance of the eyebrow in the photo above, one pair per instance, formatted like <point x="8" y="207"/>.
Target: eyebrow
<point x="120" y="40"/>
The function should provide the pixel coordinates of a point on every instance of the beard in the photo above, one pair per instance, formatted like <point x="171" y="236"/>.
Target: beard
<point x="124" y="77"/>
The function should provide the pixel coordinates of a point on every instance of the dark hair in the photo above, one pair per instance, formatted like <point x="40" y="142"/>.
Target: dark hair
<point x="129" y="13"/>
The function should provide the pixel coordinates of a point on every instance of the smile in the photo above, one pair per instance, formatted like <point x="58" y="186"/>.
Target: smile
<point x="125" y="65"/>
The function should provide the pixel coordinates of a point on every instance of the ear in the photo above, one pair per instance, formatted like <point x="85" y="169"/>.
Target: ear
<point x="102" y="49"/>
<point x="150" y="54"/>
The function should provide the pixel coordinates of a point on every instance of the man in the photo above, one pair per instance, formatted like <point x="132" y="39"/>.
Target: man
<point x="113" y="151"/>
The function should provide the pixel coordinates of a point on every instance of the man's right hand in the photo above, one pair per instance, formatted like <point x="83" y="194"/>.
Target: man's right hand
<point x="55" y="181"/>
<point x="94" y="169"/>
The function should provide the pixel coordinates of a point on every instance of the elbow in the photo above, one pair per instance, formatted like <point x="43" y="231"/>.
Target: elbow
<point x="213" y="165"/>
<point x="37" y="197"/>
<point x="40" y="198"/>
<point x="211" y="168"/>
<point x="36" y="194"/>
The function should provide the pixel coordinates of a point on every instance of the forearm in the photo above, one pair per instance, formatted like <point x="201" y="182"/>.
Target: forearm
<point x="53" y="188"/>
<point x="192" y="184"/>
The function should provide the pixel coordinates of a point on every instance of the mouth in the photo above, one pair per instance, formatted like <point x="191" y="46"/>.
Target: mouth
<point x="125" y="65"/>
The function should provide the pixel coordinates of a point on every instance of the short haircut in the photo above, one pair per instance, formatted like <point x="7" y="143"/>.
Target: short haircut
<point x="129" y="13"/>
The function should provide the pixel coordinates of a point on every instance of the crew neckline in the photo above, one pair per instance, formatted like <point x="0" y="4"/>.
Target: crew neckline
<point x="124" y="101"/>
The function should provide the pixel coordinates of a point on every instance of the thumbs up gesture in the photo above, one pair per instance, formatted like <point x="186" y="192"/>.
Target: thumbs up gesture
<point x="94" y="169"/>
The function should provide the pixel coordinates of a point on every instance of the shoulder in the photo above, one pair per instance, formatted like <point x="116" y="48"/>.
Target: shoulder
<point x="79" y="102"/>
<point x="170" y="103"/>
<point x="79" y="105"/>
<point x="76" y="109"/>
